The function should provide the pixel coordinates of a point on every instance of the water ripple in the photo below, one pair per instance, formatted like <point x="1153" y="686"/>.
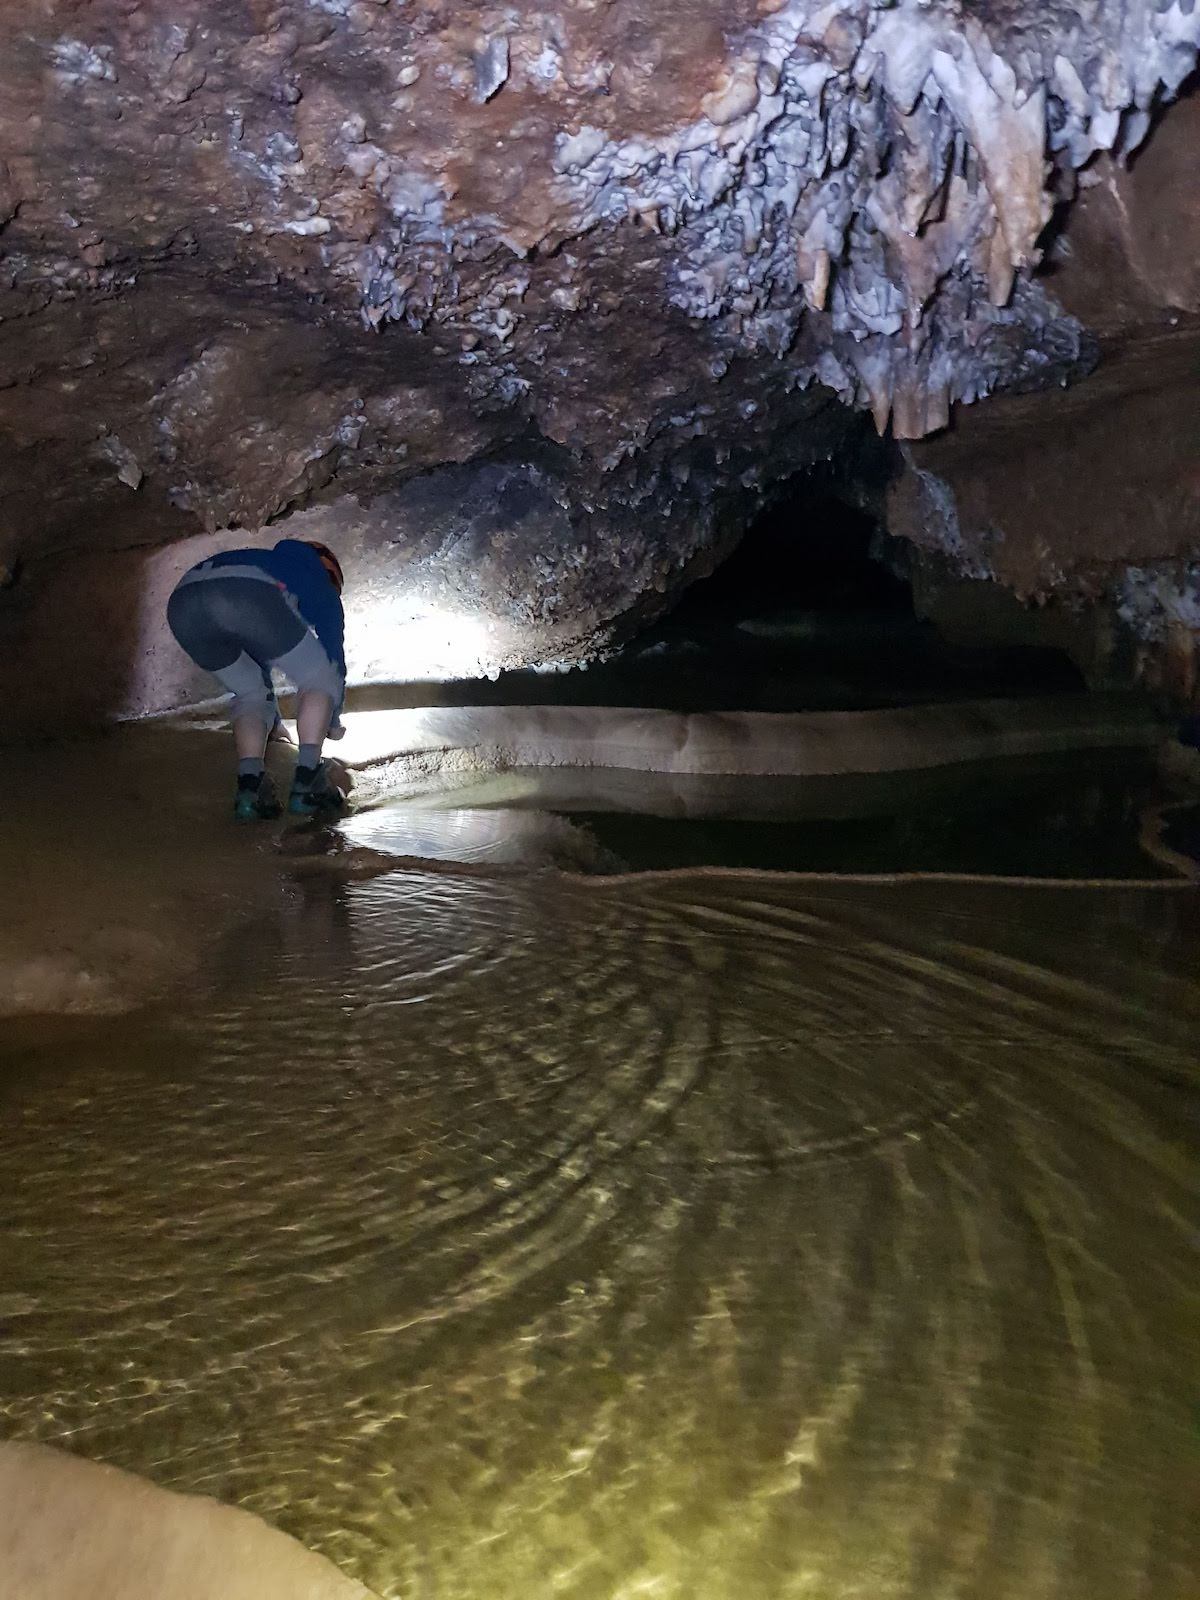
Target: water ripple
<point x="693" y="1239"/>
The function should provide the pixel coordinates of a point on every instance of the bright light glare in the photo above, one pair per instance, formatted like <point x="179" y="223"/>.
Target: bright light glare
<point x="383" y="646"/>
<point x="461" y="834"/>
<point x="374" y="735"/>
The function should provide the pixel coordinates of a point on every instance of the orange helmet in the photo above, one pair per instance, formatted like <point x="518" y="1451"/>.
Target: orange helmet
<point x="329" y="561"/>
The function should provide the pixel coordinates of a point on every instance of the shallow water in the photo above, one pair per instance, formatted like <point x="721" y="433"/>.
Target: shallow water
<point x="696" y="1238"/>
<point x="1080" y="815"/>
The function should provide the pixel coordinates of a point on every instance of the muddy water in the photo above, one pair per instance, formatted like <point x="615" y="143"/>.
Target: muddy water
<point x="704" y="1238"/>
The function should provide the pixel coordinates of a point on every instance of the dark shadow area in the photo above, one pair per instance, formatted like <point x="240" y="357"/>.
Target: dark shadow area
<point x="811" y="551"/>
<point x="1189" y="89"/>
<point x="77" y="624"/>
<point x="70" y="636"/>
<point x="1181" y="831"/>
<point x="1044" y="819"/>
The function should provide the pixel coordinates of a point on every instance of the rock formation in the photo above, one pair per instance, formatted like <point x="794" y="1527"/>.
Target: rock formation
<point x="656" y="253"/>
<point x="1092" y="497"/>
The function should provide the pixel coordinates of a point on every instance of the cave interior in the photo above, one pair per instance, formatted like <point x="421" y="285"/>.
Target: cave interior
<point x="686" y="1085"/>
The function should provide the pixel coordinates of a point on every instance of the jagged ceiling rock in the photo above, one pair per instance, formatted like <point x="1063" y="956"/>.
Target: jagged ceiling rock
<point x="255" y="250"/>
<point x="1094" y="495"/>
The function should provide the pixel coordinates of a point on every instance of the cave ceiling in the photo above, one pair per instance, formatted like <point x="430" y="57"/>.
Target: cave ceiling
<point x="256" y="254"/>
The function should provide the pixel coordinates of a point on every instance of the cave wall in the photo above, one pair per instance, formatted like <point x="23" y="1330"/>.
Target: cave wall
<point x="562" y="222"/>
<point x="1091" y="497"/>
<point x="456" y="573"/>
<point x="265" y="258"/>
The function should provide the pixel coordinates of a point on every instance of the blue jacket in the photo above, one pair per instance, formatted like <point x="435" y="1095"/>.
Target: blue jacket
<point x="298" y="567"/>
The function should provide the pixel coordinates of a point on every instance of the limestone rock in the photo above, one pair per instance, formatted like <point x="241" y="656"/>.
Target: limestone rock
<point x="563" y="223"/>
<point x="1093" y="496"/>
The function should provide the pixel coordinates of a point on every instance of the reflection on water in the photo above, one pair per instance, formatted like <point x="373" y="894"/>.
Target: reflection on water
<point x="1078" y="816"/>
<point x="695" y="1239"/>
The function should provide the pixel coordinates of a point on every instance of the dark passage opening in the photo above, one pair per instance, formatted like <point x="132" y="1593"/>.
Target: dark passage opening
<point x="809" y="551"/>
<point x="806" y="614"/>
<point x="812" y="612"/>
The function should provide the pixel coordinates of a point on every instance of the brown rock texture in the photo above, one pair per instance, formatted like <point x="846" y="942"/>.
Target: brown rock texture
<point x="1093" y="495"/>
<point x="566" y="220"/>
<point x="1054" y="492"/>
<point x="72" y="1529"/>
<point x="256" y="253"/>
<point x="1130" y="254"/>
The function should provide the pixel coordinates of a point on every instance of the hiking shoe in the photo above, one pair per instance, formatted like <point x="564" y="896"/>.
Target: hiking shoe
<point x="314" y="790"/>
<point x="256" y="800"/>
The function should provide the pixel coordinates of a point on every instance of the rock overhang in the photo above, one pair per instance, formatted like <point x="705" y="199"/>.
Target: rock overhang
<point x="856" y="190"/>
<point x="255" y="255"/>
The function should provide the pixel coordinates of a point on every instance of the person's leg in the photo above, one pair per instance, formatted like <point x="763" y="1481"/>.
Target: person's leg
<point x="251" y="713"/>
<point x="268" y="629"/>
<point x="308" y="667"/>
<point x="233" y="627"/>
<point x="316" y="681"/>
<point x="314" y="711"/>
<point x="250" y="736"/>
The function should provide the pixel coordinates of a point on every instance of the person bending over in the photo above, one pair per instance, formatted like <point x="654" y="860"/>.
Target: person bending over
<point x="244" y="612"/>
